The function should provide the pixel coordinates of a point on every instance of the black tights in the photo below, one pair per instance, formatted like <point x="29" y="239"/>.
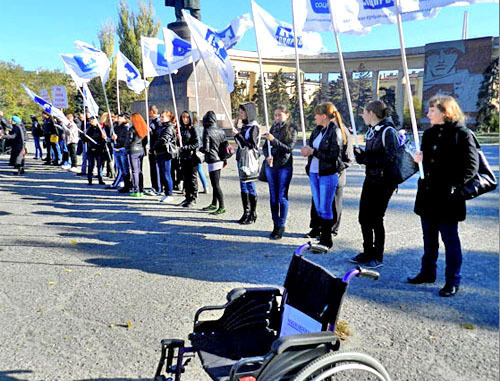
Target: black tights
<point x="217" y="195"/>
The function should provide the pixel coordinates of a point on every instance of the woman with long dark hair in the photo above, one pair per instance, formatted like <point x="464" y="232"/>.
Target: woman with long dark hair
<point x="189" y="162"/>
<point x="164" y="148"/>
<point x="450" y="159"/>
<point x="323" y="153"/>
<point x="379" y="157"/>
<point x="279" y="170"/>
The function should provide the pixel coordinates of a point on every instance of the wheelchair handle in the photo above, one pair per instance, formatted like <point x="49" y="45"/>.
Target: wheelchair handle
<point x="303" y="248"/>
<point x="359" y="271"/>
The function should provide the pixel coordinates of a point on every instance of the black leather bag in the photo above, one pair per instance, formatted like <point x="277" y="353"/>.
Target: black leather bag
<point x="483" y="182"/>
<point x="262" y="172"/>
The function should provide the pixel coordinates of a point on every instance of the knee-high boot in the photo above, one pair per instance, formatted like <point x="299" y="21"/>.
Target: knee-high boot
<point x="245" y="201"/>
<point x="252" y="217"/>
<point x="325" y="238"/>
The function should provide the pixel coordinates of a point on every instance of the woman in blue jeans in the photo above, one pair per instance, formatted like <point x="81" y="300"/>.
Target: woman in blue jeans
<point x="323" y="153"/>
<point x="163" y="148"/>
<point x="282" y="138"/>
<point x="450" y="159"/>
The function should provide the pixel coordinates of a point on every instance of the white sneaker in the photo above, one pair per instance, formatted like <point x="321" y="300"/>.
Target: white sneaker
<point x="74" y="170"/>
<point x="167" y="199"/>
<point x="65" y="167"/>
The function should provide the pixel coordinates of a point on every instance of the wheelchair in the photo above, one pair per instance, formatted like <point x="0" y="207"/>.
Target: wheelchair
<point x="268" y="335"/>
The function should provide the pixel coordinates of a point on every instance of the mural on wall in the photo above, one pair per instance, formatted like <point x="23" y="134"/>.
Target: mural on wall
<point x="456" y="68"/>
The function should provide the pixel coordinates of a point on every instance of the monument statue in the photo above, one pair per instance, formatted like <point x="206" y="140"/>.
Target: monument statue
<point x="192" y="5"/>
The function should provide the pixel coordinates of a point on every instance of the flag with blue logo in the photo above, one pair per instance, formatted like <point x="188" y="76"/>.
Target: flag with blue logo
<point x="89" y="102"/>
<point x="126" y="71"/>
<point x="276" y="37"/>
<point x="154" y="60"/>
<point x="46" y="106"/>
<point x="233" y="33"/>
<point x="355" y="15"/>
<point x="178" y="52"/>
<point x="417" y="5"/>
<point x="210" y="45"/>
<point x="103" y="61"/>
<point x="84" y="66"/>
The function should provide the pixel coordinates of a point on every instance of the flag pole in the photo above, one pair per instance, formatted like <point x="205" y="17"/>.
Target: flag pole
<point x="196" y="90"/>
<point x="408" y="86"/>
<point x="262" y="82"/>
<point x="117" y="88"/>
<point x="228" y="116"/>
<point x="299" y="82"/>
<point x="145" y="95"/>
<point x="344" y="75"/>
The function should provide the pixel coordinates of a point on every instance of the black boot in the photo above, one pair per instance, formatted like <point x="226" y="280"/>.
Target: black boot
<point x="252" y="217"/>
<point x="101" y="181"/>
<point x="89" y="177"/>
<point x="246" y="207"/>
<point x="279" y="232"/>
<point x="273" y="233"/>
<point x="325" y="238"/>
<point x="126" y="184"/>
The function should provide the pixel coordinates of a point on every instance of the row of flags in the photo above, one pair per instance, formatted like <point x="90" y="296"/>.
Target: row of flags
<point x="276" y="38"/>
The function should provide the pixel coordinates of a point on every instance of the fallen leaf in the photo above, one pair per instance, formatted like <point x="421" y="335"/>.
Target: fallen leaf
<point x="52" y="283"/>
<point x="73" y="242"/>
<point x="68" y="270"/>
<point x="129" y="324"/>
<point x="111" y="326"/>
<point x="467" y="326"/>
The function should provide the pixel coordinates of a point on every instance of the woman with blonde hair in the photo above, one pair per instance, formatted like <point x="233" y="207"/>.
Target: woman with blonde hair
<point x="136" y="151"/>
<point x="450" y="159"/>
<point x="323" y="153"/>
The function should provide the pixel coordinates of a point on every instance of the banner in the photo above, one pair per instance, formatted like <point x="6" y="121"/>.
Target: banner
<point x="356" y="15"/>
<point x="210" y="45"/>
<point x="59" y="96"/>
<point x="128" y="72"/>
<point x="416" y="5"/>
<point x="44" y="94"/>
<point x="178" y="52"/>
<point x="314" y="15"/>
<point x="46" y="106"/>
<point x="154" y="62"/>
<point x="100" y="57"/>
<point x="276" y="38"/>
<point x="89" y="101"/>
<point x="83" y="66"/>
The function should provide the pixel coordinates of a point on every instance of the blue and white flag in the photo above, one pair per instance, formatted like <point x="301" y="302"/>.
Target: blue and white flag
<point x="178" y="52"/>
<point x="89" y="102"/>
<point x="154" y="61"/>
<point x="85" y="66"/>
<point x="417" y="5"/>
<point x="46" y="106"/>
<point x="128" y="72"/>
<point x="314" y="15"/>
<point x="233" y="33"/>
<point x="355" y="15"/>
<point x="210" y="45"/>
<point x="99" y="56"/>
<point x="276" y="37"/>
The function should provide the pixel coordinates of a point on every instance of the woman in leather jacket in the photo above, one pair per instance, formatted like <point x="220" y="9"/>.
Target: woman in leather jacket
<point x="189" y="162"/>
<point x="323" y="166"/>
<point x="165" y="150"/>
<point x="279" y="169"/>
<point x="213" y="136"/>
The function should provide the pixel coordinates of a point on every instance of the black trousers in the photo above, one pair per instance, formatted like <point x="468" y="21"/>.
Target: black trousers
<point x="154" y="172"/>
<point x="373" y="203"/>
<point x="336" y="206"/>
<point x="217" y="195"/>
<point x="190" y="178"/>
<point x="72" y="154"/>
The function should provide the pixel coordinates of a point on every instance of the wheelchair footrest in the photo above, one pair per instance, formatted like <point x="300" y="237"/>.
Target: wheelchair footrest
<point x="172" y="349"/>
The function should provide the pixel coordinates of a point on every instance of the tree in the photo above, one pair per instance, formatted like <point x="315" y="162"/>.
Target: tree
<point x="277" y="93"/>
<point x="238" y="97"/>
<point x="487" y="103"/>
<point x="389" y="98"/>
<point x="258" y="98"/>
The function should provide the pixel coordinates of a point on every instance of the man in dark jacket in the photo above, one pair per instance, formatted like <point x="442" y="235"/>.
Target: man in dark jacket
<point x="95" y="149"/>
<point x="154" y="126"/>
<point x="51" y="139"/>
<point x="4" y="127"/>
<point x="19" y="137"/>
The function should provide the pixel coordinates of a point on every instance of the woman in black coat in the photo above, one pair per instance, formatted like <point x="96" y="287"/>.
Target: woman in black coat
<point x="189" y="161"/>
<point x="450" y="159"/>
<point x="165" y="149"/>
<point x="19" y="137"/>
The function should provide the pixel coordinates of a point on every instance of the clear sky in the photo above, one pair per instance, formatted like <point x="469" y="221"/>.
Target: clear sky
<point x="34" y="32"/>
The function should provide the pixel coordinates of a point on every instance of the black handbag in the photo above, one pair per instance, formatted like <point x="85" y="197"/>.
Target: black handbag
<point x="483" y="182"/>
<point x="262" y="173"/>
<point x="199" y="157"/>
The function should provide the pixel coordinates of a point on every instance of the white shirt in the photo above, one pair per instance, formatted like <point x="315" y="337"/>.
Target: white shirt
<point x="315" y="161"/>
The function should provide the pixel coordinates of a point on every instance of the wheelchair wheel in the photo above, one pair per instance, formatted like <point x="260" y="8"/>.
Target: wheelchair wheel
<point x="345" y="366"/>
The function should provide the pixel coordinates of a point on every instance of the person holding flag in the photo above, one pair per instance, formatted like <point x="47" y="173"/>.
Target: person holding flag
<point x="95" y="150"/>
<point x="50" y="130"/>
<point x="19" y="137"/>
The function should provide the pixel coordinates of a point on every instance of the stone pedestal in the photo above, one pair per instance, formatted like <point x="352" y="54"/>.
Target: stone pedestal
<point x="184" y="88"/>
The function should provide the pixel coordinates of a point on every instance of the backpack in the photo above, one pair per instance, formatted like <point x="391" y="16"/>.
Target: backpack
<point x="404" y="166"/>
<point x="225" y="150"/>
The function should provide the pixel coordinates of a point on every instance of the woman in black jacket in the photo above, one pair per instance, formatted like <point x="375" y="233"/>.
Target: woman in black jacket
<point x="247" y="137"/>
<point x="379" y="157"/>
<point x="189" y="161"/>
<point x="19" y="137"/>
<point x="136" y="149"/>
<point x="165" y="150"/>
<point x="95" y="149"/>
<point x="279" y="169"/>
<point x="323" y="153"/>
<point x="450" y="158"/>
<point x="213" y="136"/>
<point x="37" y="132"/>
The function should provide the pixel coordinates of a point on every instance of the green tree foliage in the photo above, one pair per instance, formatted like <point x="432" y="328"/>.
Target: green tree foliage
<point x="417" y="105"/>
<point x="277" y="93"/>
<point x="238" y="97"/>
<point x="258" y="98"/>
<point x="13" y="98"/>
<point x="487" y="104"/>
<point x="295" y="106"/>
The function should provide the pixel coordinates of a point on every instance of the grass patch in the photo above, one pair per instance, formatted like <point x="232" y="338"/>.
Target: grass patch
<point x="467" y="326"/>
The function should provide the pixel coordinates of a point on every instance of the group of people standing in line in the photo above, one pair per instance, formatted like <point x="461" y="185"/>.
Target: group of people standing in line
<point x="448" y="153"/>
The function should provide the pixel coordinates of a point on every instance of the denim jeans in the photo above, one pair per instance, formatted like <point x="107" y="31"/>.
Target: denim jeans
<point x="85" y="158"/>
<point x="38" y="148"/>
<point x="94" y="159"/>
<point x="323" y="193"/>
<point x="56" y="152"/>
<point x="203" y="178"/>
<point x="121" y="161"/>
<point x="165" y="167"/>
<point x="278" y="180"/>
<point x="453" y="249"/>
<point x="135" y="160"/>
<point x="64" y="151"/>
<point x="248" y="188"/>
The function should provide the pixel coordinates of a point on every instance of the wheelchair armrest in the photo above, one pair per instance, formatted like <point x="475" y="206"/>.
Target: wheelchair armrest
<point x="303" y="340"/>
<point x="242" y="363"/>
<point x="232" y="296"/>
